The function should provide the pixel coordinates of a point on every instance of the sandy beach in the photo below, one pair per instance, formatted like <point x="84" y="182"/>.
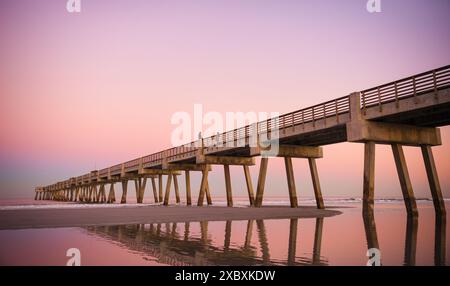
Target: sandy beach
<point x="78" y="217"/>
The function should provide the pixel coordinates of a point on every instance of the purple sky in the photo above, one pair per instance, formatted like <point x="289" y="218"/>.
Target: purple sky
<point x="84" y="91"/>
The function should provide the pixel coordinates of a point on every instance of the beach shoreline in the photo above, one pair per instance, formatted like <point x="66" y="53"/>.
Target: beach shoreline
<point x="80" y="217"/>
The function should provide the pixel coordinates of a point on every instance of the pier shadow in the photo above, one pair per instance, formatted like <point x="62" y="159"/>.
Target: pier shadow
<point x="177" y="245"/>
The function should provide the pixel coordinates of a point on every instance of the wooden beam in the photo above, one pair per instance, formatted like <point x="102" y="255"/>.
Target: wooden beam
<point x="405" y="183"/>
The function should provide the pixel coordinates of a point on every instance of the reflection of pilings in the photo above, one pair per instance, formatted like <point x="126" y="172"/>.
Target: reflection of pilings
<point x="170" y="248"/>
<point x="204" y="233"/>
<point x="433" y="179"/>
<point x="411" y="240"/>
<point x="158" y="229"/>
<point x="248" y="235"/>
<point x="226" y="243"/>
<point x="174" y="233"/>
<point x="186" y="231"/>
<point x="263" y="241"/>
<point x="439" y="240"/>
<point x="292" y="241"/>
<point x="317" y="240"/>
<point x="371" y="230"/>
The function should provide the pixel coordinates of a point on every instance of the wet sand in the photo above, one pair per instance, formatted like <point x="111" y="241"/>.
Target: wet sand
<point x="78" y="217"/>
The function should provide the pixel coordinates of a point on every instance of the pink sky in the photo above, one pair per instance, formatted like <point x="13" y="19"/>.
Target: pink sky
<point x="84" y="91"/>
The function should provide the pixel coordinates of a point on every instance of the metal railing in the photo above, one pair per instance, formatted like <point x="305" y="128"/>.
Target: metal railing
<point x="413" y="86"/>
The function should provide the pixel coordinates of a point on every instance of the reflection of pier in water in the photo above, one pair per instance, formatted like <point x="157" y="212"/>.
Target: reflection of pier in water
<point x="169" y="247"/>
<point x="410" y="238"/>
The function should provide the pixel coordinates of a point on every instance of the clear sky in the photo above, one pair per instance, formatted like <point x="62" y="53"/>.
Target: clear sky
<point x="88" y="90"/>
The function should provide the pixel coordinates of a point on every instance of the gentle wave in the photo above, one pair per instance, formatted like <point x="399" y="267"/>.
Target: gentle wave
<point x="237" y="203"/>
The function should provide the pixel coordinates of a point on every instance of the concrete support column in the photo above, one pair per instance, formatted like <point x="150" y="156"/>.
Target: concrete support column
<point x="203" y="186"/>
<point x="160" y="185"/>
<point x="405" y="183"/>
<point x="208" y="194"/>
<point x="141" y="184"/>
<point x="77" y="194"/>
<point x="435" y="187"/>
<point x="36" y="196"/>
<point x="188" y="188"/>
<point x="369" y="177"/>
<point x="226" y="169"/>
<point x="168" y="185"/>
<point x="248" y="181"/>
<point x="137" y="183"/>
<point x="155" y="193"/>
<point x="291" y="182"/>
<point x="102" y="193"/>
<point x="112" y="194"/>
<point x="177" y="190"/>
<point x="123" y="200"/>
<point x="261" y="181"/>
<point x="316" y="183"/>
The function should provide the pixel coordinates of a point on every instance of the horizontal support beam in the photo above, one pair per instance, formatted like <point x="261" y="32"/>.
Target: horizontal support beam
<point x="158" y="172"/>
<point x="388" y="133"/>
<point x="294" y="151"/>
<point x="185" y="167"/>
<point x="225" y="160"/>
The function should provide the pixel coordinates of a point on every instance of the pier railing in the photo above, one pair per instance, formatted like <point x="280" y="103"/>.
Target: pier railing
<point x="414" y="86"/>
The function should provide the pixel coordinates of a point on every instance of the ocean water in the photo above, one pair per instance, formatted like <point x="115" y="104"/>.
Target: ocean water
<point x="339" y="240"/>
